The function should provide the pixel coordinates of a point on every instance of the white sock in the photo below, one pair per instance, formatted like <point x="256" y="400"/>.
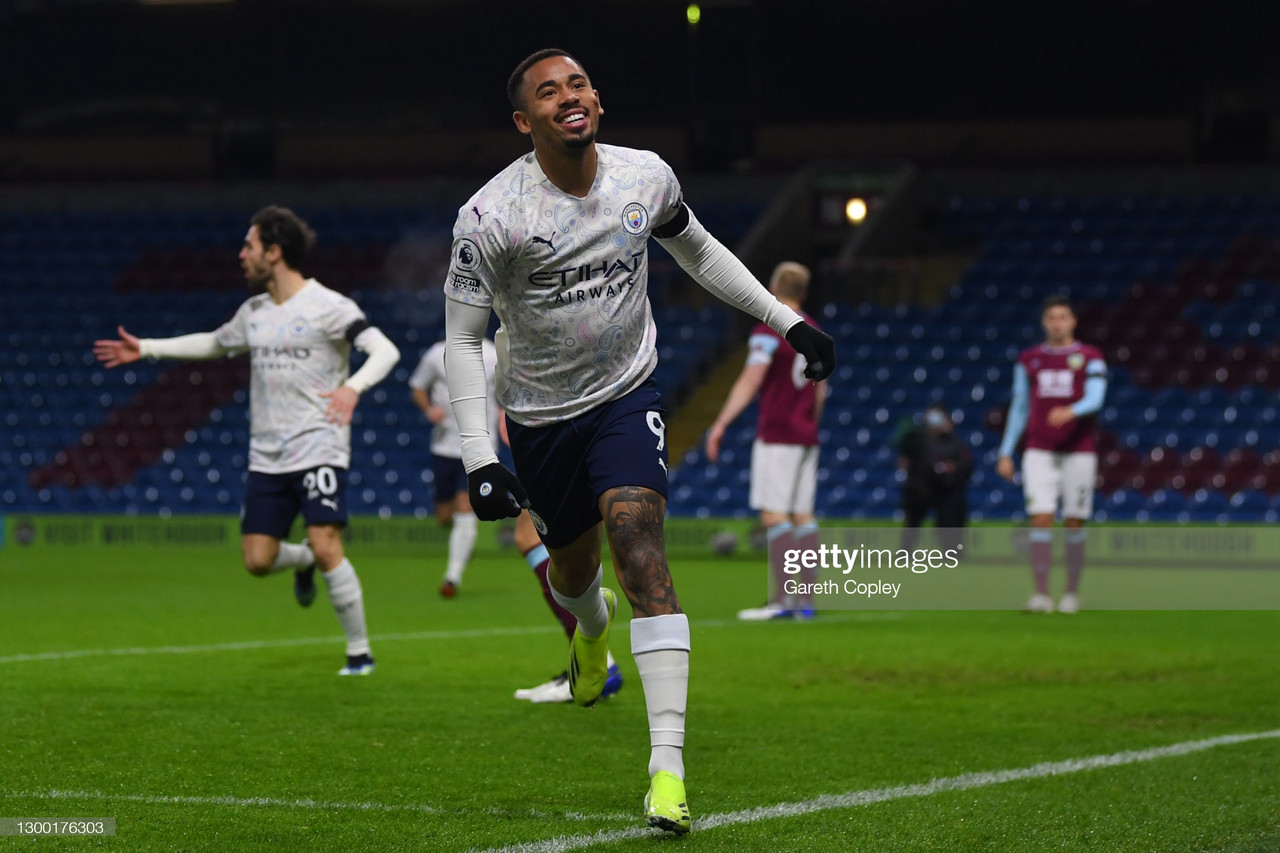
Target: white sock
<point x="660" y="645"/>
<point x="589" y="608"/>
<point x="348" y="603"/>
<point x="777" y="587"/>
<point x="292" y="556"/>
<point x="462" y="541"/>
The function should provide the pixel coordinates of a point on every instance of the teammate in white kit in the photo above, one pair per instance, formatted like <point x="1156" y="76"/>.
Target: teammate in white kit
<point x="556" y="245"/>
<point x="298" y="335"/>
<point x="453" y="507"/>
<point x="431" y="393"/>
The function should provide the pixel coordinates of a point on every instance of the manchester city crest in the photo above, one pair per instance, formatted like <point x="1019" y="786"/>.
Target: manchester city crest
<point x="298" y="326"/>
<point x="538" y="523"/>
<point x="1075" y="361"/>
<point x="635" y="218"/>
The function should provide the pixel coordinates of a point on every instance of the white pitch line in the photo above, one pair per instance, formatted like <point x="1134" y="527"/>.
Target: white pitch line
<point x="854" y="799"/>
<point x="306" y="803"/>
<point x="461" y="634"/>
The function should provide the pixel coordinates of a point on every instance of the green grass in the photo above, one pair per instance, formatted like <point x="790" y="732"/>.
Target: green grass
<point x="777" y="713"/>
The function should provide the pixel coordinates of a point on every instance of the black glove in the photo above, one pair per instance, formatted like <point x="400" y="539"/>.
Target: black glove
<point x="495" y="493"/>
<point x="817" y="347"/>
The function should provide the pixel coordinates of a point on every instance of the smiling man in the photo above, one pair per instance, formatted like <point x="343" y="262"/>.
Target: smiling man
<point x="556" y="245"/>
<point x="299" y="335"/>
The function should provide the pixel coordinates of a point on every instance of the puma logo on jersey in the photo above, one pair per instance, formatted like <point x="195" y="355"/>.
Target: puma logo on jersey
<point x="330" y="503"/>
<point x="478" y="214"/>
<point x="547" y="241"/>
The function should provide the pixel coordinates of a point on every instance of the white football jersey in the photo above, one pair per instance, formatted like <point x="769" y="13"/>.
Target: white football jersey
<point x="296" y="350"/>
<point x="568" y="278"/>
<point x="429" y="376"/>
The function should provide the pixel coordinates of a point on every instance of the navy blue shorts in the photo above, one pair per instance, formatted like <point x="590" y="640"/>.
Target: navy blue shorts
<point x="450" y="477"/>
<point x="273" y="501"/>
<point x="566" y="467"/>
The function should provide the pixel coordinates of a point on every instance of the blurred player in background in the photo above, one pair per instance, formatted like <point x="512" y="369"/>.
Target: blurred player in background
<point x="453" y="506"/>
<point x="555" y="244"/>
<point x="1058" y="388"/>
<point x="431" y="393"/>
<point x="299" y="335"/>
<point x="784" y="457"/>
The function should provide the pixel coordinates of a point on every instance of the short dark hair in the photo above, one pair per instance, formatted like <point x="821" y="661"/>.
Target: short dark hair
<point x="1057" y="300"/>
<point x="516" y="80"/>
<point x="280" y="226"/>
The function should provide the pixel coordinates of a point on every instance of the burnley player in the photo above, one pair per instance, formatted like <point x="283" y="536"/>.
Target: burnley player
<point x="299" y="336"/>
<point x="784" y="457"/>
<point x="556" y="244"/>
<point x="1058" y="388"/>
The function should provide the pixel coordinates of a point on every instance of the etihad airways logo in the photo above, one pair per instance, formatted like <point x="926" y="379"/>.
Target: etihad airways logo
<point x="595" y="291"/>
<point x="587" y="272"/>
<point x="299" y="353"/>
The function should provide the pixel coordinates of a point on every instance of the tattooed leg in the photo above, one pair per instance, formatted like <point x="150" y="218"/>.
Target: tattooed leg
<point x="633" y="518"/>
<point x="659" y="631"/>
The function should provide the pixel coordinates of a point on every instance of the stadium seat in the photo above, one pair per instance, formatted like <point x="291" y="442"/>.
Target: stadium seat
<point x="1180" y="291"/>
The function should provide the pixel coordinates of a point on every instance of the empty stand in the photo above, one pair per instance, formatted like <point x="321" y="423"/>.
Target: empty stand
<point x="168" y="437"/>
<point x="1181" y="293"/>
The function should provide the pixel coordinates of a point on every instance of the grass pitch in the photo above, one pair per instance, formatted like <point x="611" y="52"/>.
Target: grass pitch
<point x="201" y="708"/>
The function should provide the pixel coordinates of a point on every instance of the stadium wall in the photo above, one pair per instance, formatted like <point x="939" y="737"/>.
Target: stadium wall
<point x="367" y="534"/>
<point x="291" y="155"/>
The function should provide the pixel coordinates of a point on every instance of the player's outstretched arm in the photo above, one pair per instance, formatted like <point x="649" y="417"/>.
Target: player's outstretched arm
<point x="435" y="414"/>
<point x="1019" y="411"/>
<point x="744" y="390"/>
<point x="717" y="269"/>
<point x="383" y="355"/>
<point x="128" y="349"/>
<point x="113" y="353"/>
<point x="494" y="491"/>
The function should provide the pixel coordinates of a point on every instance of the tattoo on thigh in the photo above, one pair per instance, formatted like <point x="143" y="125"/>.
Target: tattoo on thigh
<point x="633" y="519"/>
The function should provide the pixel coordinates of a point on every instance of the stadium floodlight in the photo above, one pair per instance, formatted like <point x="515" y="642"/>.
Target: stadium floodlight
<point x="855" y="210"/>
